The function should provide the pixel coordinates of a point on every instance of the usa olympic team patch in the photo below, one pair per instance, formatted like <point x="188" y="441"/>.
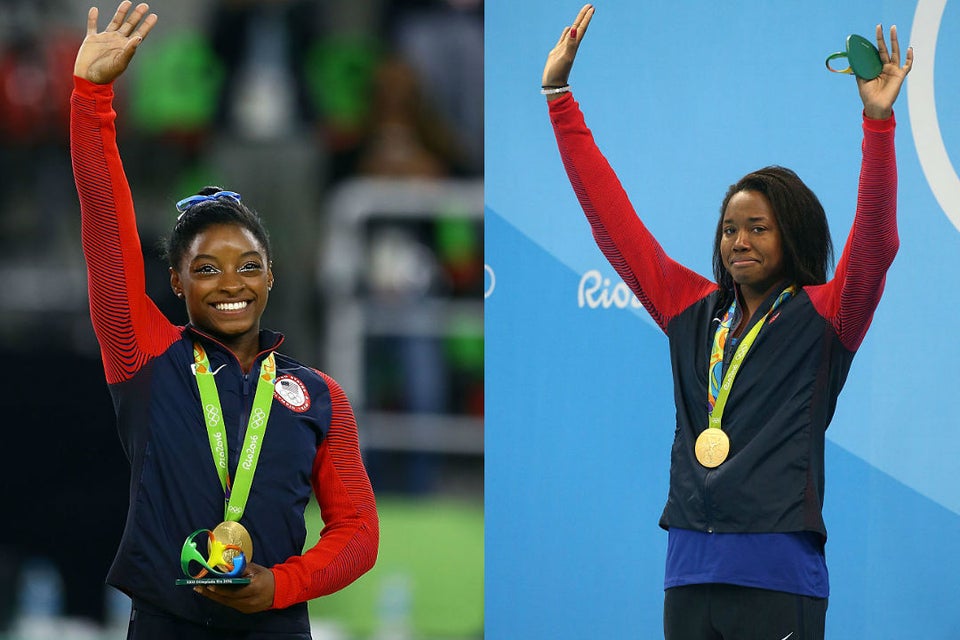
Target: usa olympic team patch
<point x="292" y="393"/>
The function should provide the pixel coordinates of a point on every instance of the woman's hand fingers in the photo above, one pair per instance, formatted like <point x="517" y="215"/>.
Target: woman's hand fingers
<point x="250" y="598"/>
<point x="119" y="16"/>
<point x="92" y="15"/>
<point x="133" y="19"/>
<point x="560" y="59"/>
<point x="582" y="22"/>
<point x="105" y="55"/>
<point x="880" y="93"/>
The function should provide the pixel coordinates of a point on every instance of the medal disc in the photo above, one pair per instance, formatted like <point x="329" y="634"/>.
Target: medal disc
<point x="234" y="533"/>
<point x="712" y="448"/>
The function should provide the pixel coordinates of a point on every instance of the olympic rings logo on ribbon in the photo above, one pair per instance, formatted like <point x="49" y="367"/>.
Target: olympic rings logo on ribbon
<point x="216" y="560"/>
<point x="256" y="420"/>
<point x="213" y="414"/>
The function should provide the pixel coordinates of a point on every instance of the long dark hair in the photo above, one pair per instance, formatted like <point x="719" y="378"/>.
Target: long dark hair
<point x="208" y="213"/>
<point x="804" y="232"/>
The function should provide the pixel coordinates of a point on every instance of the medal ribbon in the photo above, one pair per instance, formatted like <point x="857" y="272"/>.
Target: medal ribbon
<point x="715" y="371"/>
<point x="718" y="393"/>
<point x="235" y="496"/>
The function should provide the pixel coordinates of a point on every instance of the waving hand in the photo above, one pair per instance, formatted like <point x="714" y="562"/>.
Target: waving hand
<point x="879" y="94"/>
<point x="104" y="56"/>
<point x="560" y="59"/>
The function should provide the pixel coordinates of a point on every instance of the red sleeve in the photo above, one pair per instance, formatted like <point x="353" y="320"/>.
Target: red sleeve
<point x="128" y="325"/>
<point x="351" y="533"/>
<point x="663" y="286"/>
<point x="850" y="298"/>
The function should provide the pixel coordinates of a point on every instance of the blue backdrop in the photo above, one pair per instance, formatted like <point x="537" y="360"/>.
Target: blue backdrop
<point x="684" y="98"/>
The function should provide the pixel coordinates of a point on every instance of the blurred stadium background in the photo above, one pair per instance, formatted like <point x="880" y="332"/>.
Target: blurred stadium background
<point x="355" y="128"/>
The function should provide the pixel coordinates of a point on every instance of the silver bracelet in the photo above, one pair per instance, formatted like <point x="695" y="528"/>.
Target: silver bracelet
<point x="548" y="91"/>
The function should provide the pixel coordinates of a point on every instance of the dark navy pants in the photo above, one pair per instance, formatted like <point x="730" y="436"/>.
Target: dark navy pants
<point x="731" y="612"/>
<point x="149" y="623"/>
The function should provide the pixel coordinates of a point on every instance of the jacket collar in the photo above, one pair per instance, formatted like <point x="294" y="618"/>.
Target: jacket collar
<point x="269" y="341"/>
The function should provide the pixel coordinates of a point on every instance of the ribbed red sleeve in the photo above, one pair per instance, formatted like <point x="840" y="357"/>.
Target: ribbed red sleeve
<point x="850" y="298"/>
<point x="351" y="533"/>
<point x="128" y="324"/>
<point x="663" y="286"/>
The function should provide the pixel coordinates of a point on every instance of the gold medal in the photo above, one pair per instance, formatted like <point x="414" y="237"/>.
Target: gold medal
<point x="234" y="534"/>
<point x="712" y="448"/>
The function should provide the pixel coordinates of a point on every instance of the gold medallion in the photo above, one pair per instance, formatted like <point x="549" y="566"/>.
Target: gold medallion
<point x="712" y="448"/>
<point x="234" y="534"/>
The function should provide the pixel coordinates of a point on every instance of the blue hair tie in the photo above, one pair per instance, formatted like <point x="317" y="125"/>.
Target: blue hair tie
<point x="184" y="205"/>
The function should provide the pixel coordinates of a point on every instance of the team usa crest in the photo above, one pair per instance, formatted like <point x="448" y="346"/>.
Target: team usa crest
<point x="290" y="391"/>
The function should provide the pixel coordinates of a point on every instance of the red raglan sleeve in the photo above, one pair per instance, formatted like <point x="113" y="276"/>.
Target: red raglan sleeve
<point x="351" y="533"/>
<point x="663" y="286"/>
<point x="849" y="300"/>
<point x="129" y="327"/>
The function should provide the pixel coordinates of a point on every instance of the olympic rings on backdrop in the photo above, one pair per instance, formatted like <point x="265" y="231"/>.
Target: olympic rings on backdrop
<point x="928" y="139"/>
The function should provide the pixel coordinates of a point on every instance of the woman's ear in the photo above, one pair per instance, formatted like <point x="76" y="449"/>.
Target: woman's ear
<point x="175" y="283"/>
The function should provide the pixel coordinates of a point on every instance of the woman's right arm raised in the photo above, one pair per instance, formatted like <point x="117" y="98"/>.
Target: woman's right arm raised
<point x="104" y="55"/>
<point x="128" y="325"/>
<point x="560" y="59"/>
<point x="665" y="287"/>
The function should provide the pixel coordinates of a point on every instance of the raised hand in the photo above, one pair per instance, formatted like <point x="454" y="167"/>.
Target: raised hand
<point x="560" y="59"/>
<point x="104" y="56"/>
<point x="879" y="94"/>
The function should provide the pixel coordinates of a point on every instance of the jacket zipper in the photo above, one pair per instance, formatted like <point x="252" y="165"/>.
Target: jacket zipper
<point x="244" y="417"/>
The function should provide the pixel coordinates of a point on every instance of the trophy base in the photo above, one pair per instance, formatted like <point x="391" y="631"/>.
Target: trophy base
<point x="192" y="582"/>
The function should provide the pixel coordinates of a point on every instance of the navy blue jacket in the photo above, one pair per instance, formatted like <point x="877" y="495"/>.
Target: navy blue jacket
<point x="786" y="391"/>
<point x="310" y="446"/>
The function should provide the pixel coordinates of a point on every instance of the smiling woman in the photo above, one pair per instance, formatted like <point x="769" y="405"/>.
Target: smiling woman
<point x="207" y="441"/>
<point x="219" y="254"/>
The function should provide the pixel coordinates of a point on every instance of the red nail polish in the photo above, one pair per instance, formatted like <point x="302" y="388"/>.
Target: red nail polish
<point x="573" y="32"/>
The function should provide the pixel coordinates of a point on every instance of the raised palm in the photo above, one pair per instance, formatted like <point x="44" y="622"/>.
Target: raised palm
<point x="879" y="94"/>
<point x="560" y="59"/>
<point x="105" y="55"/>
